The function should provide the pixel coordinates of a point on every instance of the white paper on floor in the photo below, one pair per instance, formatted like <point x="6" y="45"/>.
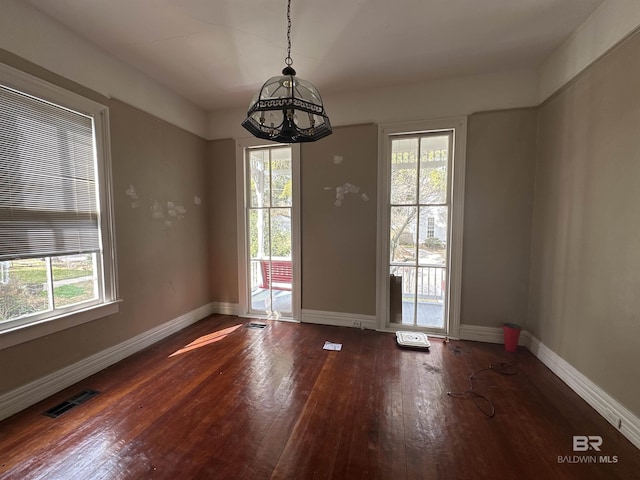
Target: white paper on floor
<point x="332" y="346"/>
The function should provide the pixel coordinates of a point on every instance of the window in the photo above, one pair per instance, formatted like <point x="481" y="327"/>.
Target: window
<point x="269" y="210"/>
<point x="421" y="172"/>
<point x="268" y="199"/>
<point x="419" y="193"/>
<point x="56" y="255"/>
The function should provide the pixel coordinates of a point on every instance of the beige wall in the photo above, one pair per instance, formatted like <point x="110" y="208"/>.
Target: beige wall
<point x="339" y="242"/>
<point x="223" y="238"/>
<point x="163" y="270"/>
<point x="501" y="154"/>
<point x="585" y="279"/>
<point x="163" y="267"/>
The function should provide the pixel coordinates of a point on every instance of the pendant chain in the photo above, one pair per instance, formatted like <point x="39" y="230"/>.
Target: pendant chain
<point x="288" y="60"/>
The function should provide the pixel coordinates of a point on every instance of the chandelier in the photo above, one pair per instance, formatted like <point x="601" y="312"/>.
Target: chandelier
<point x="287" y="109"/>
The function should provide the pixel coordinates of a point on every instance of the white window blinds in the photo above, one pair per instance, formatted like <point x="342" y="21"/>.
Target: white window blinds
<point x="48" y="192"/>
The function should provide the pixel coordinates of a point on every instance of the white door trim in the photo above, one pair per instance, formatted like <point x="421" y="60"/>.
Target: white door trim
<point x="241" y="196"/>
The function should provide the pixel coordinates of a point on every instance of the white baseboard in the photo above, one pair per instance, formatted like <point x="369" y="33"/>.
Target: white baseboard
<point x="603" y="403"/>
<point x="489" y="334"/>
<point x="225" y="308"/>
<point x="339" y="319"/>
<point x="31" y="393"/>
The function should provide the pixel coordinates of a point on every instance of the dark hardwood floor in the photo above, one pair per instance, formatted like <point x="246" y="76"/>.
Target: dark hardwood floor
<point x="247" y="403"/>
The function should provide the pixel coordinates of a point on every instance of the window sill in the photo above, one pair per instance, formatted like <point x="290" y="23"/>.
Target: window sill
<point x="24" y="333"/>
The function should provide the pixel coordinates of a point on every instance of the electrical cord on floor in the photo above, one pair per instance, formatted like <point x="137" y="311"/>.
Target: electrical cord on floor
<point x="501" y="368"/>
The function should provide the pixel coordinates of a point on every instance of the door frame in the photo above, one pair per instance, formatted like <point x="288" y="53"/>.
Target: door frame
<point x="454" y="278"/>
<point x="243" y="144"/>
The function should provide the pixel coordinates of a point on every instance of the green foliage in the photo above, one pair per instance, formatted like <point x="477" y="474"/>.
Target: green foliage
<point x="73" y="293"/>
<point x="253" y="236"/>
<point x="35" y="272"/>
<point x="287" y="192"/>
<point x="280" y="244"/>
<point x="280" y="239"/>
<point x="25" y="274"/>
<point x="434" y="243"/>
<point x="66" y="273"/>
<point x="68" y="291"/>
<point x="17" y="301"/>
<point x="26" y="292"/>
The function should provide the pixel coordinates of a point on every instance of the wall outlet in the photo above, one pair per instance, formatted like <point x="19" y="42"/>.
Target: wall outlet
<point x="357" y="324"/>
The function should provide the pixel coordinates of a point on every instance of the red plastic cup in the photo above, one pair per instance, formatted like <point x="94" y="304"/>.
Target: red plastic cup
<point x="511" y="336"/>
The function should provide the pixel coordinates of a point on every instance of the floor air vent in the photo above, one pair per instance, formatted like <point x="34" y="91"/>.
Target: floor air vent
<point x="256" y="325"/>
<point x="67" y="405"/>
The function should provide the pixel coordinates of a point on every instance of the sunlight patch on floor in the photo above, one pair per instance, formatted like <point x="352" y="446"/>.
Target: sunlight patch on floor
<point x="206" y="340"/>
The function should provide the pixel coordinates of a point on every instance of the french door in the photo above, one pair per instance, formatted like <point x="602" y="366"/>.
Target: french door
<point x="270" y="226"/>
<point x="421" y="241"/>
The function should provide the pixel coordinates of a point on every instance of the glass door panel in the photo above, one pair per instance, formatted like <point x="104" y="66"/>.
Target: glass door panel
<point x="419" y="228"/>
<point x="269" y="171"/>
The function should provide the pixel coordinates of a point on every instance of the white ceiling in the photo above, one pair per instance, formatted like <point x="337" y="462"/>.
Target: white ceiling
<point x="217" y="53"/>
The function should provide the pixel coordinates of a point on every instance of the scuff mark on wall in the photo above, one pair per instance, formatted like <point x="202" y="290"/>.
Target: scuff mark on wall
<point x="133" y="195"/>
<point x="173" y="210"/>
<point x="345" y="189"/>
<point x="157" y="213"/>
